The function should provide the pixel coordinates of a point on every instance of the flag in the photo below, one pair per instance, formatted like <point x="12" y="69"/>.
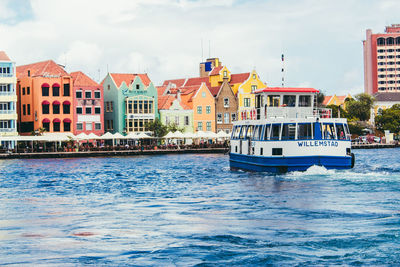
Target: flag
<point x="283" y="57"/>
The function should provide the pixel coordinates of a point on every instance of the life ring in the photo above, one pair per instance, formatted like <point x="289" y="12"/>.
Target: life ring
<point x="353" y="160"/>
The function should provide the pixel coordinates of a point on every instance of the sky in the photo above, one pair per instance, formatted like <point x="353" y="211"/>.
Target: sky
<point x="321" y="39"/>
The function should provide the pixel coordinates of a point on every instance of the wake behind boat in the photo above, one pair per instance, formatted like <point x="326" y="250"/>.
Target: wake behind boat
<point x="287" y="132"/>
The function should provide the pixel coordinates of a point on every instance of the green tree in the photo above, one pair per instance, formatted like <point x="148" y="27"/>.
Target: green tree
<point x="359" y="108"/>
<point x="158" y="129"/>
<point x="389" y="119"/>
<point x="320" y="99"/>
<point x="335" y="111"/>
<point x="173" y="127"/>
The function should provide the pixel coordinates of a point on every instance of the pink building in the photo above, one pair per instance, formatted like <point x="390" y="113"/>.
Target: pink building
<point x="382" y="61"/>
<point x="88" y="105"/>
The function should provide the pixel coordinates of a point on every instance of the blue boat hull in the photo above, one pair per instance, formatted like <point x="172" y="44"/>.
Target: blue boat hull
<point x="287" y="164"/>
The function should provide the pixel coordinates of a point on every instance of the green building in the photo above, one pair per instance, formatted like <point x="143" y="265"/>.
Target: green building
<point x="130" y="101"/>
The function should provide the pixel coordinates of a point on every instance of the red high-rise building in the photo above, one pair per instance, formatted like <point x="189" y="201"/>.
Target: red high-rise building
<point x="382" y="61"/>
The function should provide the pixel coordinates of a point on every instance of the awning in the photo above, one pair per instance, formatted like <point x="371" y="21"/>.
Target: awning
<point x="56" y="102"/>
<point x="56" y="85"/>
<point x="56" y="120"/>
<point x="66" y="102"/>
<point x="46" y="85"/>
<point x="45" y="102"/>
<point x="67" y="120"/>
<point x="46" y="120"/>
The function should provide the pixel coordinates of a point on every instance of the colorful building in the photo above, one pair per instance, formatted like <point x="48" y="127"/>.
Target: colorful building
<point x="203" y="109"/>
<point x="384" y="101"/>
<point x="130" y="101"/>
<point x="44" y="97"/>
<point x="88" y="105"/>
<point x="8" y="100"/>
<point x="174" y="111"/>
<point x="336" y="100"/>
<point x="382" y="60"/>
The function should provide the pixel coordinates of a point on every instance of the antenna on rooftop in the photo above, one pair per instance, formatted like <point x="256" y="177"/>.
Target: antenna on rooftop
<point x="99" y="75"/>
<point x="202" y="57"/>
<point x="209" y="48"/>
<point x="283" y="70"/>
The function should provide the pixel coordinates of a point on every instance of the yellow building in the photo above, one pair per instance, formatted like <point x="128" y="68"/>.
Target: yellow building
<point x="336" y="100"/>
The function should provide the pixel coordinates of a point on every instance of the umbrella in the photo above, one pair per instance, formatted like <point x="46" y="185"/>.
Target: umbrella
<point x="82" y="136"/>
<point x="93" y="136"/>
<point x="169" y="135"/>
<point x="107" y="135"/>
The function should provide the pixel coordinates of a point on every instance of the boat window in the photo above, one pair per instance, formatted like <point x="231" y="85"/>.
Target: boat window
<point x="243" y="132"/>
<point x="340" y="132"/>
<point x="304" y="131"/>
<point x="249" y="131"/>
<point x="289" y="100"/>
<point x="328" y="131"/>
<point x="347" y="131"/>
<point x="289" y="131"/>
<point x="236" y="132"/>
<point x="305" y="101"/>
<point x="276" y="130"/>
<point x="267" y="132"/>
<point x="257" y="132"/>
<point x="273" y="100"/>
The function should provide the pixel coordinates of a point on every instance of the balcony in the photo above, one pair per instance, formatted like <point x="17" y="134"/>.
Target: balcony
<point x="8" y="111"/>
<point x="7" y="130"/>
<point x="11" y="93"/>
<point x="6" y="75"/>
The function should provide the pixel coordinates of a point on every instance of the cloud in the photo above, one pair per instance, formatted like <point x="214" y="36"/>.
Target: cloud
<point x="321" y="40"/>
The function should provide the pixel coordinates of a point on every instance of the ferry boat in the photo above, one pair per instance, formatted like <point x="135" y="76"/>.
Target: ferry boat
<point x="287" y="132"/>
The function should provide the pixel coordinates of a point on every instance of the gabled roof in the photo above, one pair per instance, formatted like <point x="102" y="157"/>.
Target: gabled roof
<point x="216" y="70"/>
<point x="188" y="89"/>
<point x="128" y="78"/>
<point x="239" y="78"/>
<point x="4" y="57"/>
<point x="161" y="90"/>
<point x="198" y="81"/>
<point x="165" y="101"/>
<point x="215" y="90"/>
<point x="178" y="82"/>
<point x="44" y="68"/>
<point x="327" y="99"/>
<point x="81" y="79"/>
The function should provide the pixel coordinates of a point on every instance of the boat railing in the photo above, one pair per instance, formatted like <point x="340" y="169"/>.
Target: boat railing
<point x="284" y="112"/>
<point x="323" y="113"/>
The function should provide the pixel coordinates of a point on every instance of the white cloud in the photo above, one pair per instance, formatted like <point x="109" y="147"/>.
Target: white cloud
<point x="321" y="39"/>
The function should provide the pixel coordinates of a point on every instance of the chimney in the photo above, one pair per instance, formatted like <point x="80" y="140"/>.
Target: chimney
<point x="178" y="95"/>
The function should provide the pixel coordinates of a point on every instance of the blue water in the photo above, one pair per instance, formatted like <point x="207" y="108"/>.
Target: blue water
<point x="187" y="210"/>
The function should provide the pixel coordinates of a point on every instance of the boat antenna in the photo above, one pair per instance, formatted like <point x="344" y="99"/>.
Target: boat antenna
<point x="283" y="70"/>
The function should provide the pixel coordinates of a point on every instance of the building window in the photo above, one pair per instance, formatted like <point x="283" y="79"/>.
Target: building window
<point x="28" y="109"/>
<point x="254" y="77"/>
<point x="67" y="126"/>
<point x="89" y="126"/>
<point x="199" y="110"/>
<point x="66" y="89"/>
<point x="56" y="90"/>
<point x="79" y="126"/>
<point x="28" y="90"/>
<point x="177" y="120"/>
<point x="137" y="86"/>
<point x="56" y="108"/>
<point x="66" y="109"/>
<point x="186" y="120"/>
<point x="24" y="109"/>
<point x="88" y="94"/>
<point x="23" y="90"/>
<point x="78" y="94"/>
<point x="226" y="117"/>
<point x="45" y="108"/>
<point x="97" y="126"/>
<point x="219" y="117"/>
<point x="246" y="102"/>
<point x="226" y="102"/>
<point x="208" y="109"/>
<point x="56" y="126"/>
<point x="97" y="94"/>
<point x="233" y="115"/>
<point x="225" y="74"/>
<point x="253" y="88"/>
<point x="203" y="94"/>
<point x="46" y="126"/>
<point x="97" y="110"/>
<point x="111" y="107"/>
<point x="208" y="125"/>
<point x="78" y="110"/>
<point x="200" y="126"/>
<point x="88" y="110"/>
<point x="45" y="90"/>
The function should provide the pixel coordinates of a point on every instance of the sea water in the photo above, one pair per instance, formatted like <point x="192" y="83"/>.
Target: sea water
<point x="188" y="210"/>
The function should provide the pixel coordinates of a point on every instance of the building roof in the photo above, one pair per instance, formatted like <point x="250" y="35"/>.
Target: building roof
<point x="239" y="78"/>
<point x="198" y="81"/>
<point x="387" y="97"/>
<point x="327" y="99"/>
<point x="216" y="70"/>
<point x="178" y="82"/>
<point x="165" y="101"/>
<point x="160" y="90"/>
<point x="287" y="90"/>
<point x="128" y="78"/>
<point x="215" y="90"/>
<point x="44" y="68"/>
<point x="4" y="57"/>
<point x="81" y="79"/>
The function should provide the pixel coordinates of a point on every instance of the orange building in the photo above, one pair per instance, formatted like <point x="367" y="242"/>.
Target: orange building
<point x="203" y="109"/>
<point x="44" y="98"/>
